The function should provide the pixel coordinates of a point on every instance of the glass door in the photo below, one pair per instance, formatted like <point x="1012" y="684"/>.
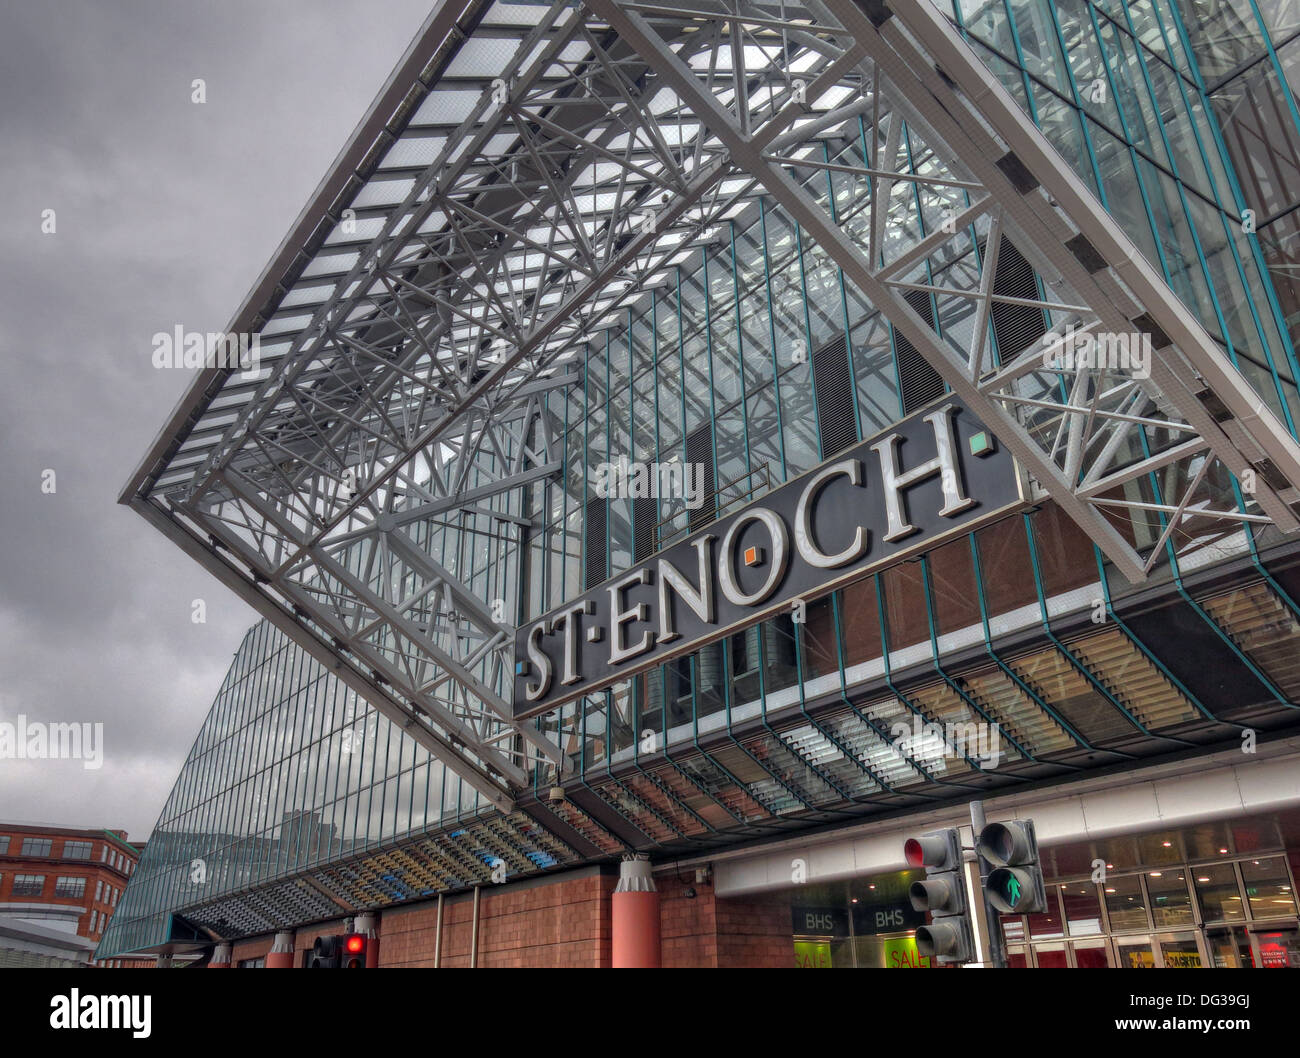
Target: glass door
<point x="1229" y="947"/>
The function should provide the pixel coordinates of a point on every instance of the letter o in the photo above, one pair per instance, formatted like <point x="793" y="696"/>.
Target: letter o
<point x="776" y="570"/>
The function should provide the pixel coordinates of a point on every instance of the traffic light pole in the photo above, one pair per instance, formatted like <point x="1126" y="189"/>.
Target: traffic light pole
<point x="997" y="950"/>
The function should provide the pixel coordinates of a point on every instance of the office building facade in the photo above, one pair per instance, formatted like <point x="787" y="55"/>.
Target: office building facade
<point x="59" y="888"/>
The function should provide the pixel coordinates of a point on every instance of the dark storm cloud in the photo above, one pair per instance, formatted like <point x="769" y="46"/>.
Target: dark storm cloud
<point x="166" y="212"/>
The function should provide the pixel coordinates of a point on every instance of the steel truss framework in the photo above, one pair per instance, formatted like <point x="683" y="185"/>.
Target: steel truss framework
<point x="524" y="176"/>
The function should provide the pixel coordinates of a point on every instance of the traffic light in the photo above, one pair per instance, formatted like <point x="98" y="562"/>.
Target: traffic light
<point x="949" y="937"/>
<point x="326" y="953"/>
<point x="354" y="951"/>
<point x="1015" y="884"/>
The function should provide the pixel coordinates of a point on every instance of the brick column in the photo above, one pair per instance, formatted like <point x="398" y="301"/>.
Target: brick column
<point x="634" y="911"/>
<point x="280" y="957"/>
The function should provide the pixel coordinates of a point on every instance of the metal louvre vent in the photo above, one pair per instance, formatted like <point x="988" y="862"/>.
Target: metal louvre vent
<point x="1016" y="713"/>
<point x="1264" y="628"/>
<point x="723" y="787"/>
<point x="1072" y="695"/>
<point x="1015" y="327"/>
<point x="699" y="450"/>
<point x="659" y="795"/>
<point x="645" y="519"/>
<point x="837" y="423"/>
<point x="688" y="792"/>
<point x="1132" y="679"/>
<point x="918" y="382"/>
<point x="597" y="564"/>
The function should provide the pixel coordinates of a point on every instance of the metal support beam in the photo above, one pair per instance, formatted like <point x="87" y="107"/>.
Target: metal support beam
<point x="365" y="686"/>
<point x="1061" y="454"/>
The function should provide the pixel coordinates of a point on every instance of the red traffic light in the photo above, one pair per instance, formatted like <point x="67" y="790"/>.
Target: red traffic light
<point x="355" y="943"/>
<point x="936" y="848"/>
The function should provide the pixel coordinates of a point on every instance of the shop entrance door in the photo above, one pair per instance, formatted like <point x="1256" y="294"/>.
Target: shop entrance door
<point x="1229" y="947"/>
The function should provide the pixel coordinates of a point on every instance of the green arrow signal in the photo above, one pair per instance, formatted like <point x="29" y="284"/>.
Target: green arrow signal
<point x="1013" y="889"/>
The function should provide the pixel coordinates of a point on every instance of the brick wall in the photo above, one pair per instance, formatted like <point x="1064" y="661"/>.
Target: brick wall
<point x="255" y="948"/>
<point x="566" y="922"/>
<point x="704" y="931"/>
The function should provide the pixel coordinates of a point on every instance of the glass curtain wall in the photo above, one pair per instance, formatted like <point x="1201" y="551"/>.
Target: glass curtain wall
<point x="1134" y="97"/>
<point x="290" y="770"/>
<point x="1248" y="56"/>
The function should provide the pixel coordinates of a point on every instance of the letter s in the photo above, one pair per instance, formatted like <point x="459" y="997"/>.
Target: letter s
<point x="543" y="663"/>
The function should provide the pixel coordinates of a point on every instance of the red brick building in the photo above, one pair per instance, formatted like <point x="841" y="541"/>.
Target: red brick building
<point x="59" y="887"/>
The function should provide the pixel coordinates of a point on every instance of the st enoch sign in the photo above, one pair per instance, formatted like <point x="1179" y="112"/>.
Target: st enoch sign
<point x="932" y="475"/>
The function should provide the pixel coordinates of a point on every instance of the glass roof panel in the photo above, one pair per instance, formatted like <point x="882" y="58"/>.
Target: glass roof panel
<point x="414" y="150"/>
<point x="383" y="193"/>
<point x="446" y="106"/>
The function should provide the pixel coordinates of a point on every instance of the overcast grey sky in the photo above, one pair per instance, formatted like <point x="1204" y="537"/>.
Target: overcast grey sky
<point x="165" y="213"/>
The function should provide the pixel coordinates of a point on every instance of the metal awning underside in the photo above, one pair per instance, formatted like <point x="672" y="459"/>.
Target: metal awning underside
<point x="528" y="170"/>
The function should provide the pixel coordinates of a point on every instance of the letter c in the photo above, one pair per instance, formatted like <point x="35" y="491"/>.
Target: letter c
<point x="803" y="534"/>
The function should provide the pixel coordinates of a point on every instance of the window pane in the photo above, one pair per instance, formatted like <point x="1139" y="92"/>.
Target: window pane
<point x="1268" y="888"/>
<point x="1082" y="908"/>
<point x="1124" y="904"/>
<point x="1260" y="135"/>
<point x="1048" y="924"/>
<point x="1005" y="568"/>
<point x="28" y="884"/>
<point x="952" y="586"/>
<point x="1171" y="904"/>
<point x="70" y="887"/>
<point x="1216" y="887"/>
<point x="1224" y="34"/>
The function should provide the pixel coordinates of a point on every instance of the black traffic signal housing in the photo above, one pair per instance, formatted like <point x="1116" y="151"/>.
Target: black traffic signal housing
<point x="1015" y="882"/>
<point x="354" y="951"/>
<point x="326" y="953"/>
<point x="949" y="938"/>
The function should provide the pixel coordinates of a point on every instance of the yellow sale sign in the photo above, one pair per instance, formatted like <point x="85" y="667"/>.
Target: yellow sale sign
<point x="812" y="955"/>
<point x="901" y="954"/>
